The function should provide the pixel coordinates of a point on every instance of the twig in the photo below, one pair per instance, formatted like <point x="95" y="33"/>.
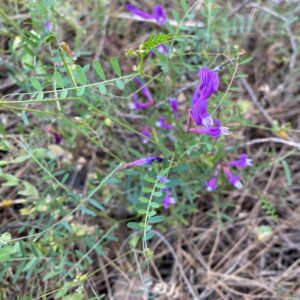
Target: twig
<point x="238" y="8"/>
<point x="255" y="100"/>
<point x="287" y="28"/>
<point x="272" y="140"/>
<point x="169" y="246"/>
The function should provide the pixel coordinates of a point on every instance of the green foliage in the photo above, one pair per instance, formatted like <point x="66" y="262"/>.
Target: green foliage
<point x="268" y="207"/>
<point x="144" y="49"/>
<point x="147" y="205"/>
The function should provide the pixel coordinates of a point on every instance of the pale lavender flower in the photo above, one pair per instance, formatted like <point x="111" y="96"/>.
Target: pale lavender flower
<point x="163" y="179"/>
<point x="243" y="162"/>
<point x="143" y="161"/>
<point x="209" y="83"/>
<point x="162" y="49"/>
<point x="174" y="106"/>
<point x="215" y="131"/>
<point x="48" y="26"/>
<point x="158" y="13"/>
<point x="211" y="185"/>
<point x="147" y="135"/>
<point x="232" y="179"/>
<point x="168" y="200"/>
<point x="162" y="123"/>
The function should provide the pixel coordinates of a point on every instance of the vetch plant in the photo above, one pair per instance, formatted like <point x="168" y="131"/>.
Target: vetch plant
<point x="142" y="163"/>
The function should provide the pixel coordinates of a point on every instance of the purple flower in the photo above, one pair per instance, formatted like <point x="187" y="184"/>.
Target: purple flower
<point x="48" y="25"/>
<point x="200" y="115"/>
<point x="138" y="12"/>
<point x="57" y="137"/>
<point x="168" y="200"/>
<point x="147" y="135"/>
<point x="243" y="162"/>
<point x="211" y="184"/>
<point x="143" y="88"/>
<point x="162" y="123"/>
<point x="163" y="179"/>
<point x="143" y="161"/>
<point x="162" y="49"/>
<point x="174" y="106"/>
<point x="215" y="131"/>
<point x="233" y="180"/>
<point x="209" y="85"/>
<point x="158" y="13"/>
<point x="135" y="104"/>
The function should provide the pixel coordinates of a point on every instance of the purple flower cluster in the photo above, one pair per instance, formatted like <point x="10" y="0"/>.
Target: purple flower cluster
<point x="234" y="180"/>
<point x="209" y="83"/>
<point x="158" y="13"/>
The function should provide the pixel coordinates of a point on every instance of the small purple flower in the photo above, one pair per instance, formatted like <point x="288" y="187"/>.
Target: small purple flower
<point x="143" y="88"/>
<point x="162" y="123"/>
<point x="209" y="83"/>
<point x="168" y="200"/>
<point x="163" y="179"/>
<point x="160" y="15"/>
<point x="147" y="135"/>
<point x="57" y="137"/>
<point x="211" y="185"/>
<point x="138" y="12"/>
<point x="174" y="106"/>
<point x="162" y="49"/>
<point x="215" y="131"/>
<point x="143" y="161"/>
<point x="233" y="180"/>
<point x="48" y="25"/>
<point x="135" y="104"/>
<point x="243" y="162"/>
